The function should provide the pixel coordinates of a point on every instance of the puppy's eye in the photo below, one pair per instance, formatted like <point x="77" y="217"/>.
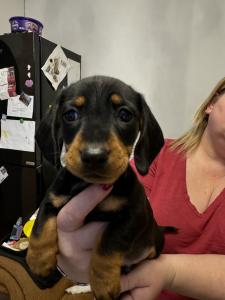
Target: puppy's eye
<point x="125" y="115"/>
<point x="71" y="115"/>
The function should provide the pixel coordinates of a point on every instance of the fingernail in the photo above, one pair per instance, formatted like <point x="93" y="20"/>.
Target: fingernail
<point x="106" y="187"/>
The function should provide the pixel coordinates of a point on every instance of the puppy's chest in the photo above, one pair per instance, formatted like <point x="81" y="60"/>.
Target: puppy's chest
<point x="110" y="209"/>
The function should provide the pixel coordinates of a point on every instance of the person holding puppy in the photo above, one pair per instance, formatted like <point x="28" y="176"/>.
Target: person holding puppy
<point x="186" y="188"/>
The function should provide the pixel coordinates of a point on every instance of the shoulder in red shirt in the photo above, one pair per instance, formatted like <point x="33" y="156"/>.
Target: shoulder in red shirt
<point x="165" y="186"/>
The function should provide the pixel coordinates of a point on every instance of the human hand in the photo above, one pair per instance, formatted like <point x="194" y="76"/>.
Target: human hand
<point x="76" y="240"/>
<point x="148" y="279"/>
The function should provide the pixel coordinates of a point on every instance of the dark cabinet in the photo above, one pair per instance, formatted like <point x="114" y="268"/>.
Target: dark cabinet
<point x="28" y="174"/>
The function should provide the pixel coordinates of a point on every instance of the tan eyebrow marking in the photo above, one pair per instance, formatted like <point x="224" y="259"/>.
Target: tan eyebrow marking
<point x="116" y="99"/>
<point x="79" y="101"/>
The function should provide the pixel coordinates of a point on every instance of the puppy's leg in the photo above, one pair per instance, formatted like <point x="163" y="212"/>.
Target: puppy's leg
<point x="42" y="250"/>
<point x="109" y="254"/>
<point x="105" y="274"/>
<point x="43" y="247"/>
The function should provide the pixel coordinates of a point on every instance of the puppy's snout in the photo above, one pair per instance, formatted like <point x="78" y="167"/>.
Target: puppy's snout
<point x="94" y="155"/>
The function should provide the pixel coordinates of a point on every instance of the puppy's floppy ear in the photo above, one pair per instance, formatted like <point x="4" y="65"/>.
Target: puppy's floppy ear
<point x="48" y="136"/>
<point x="150" y="141"/>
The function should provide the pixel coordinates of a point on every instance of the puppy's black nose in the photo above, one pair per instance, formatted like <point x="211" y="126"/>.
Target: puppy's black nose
<point x="94" y="155"/>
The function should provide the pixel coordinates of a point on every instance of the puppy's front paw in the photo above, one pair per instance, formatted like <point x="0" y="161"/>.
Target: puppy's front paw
<point x="42" y="250"/>
<point x="41" y="264"/>
<point x="105" y="276"/>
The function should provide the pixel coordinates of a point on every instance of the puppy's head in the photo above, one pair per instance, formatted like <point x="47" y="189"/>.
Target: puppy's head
<point x="98" y="119"/>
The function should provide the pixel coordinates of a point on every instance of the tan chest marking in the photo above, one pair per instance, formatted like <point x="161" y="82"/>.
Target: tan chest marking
<point x="112" y="203"/>
<point x="58" y="201"/>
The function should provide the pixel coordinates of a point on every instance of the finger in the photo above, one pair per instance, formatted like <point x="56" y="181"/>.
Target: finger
<point x="144" y="293"/>
<point x="139" y="284"/>
<point x="131" y="281"/>
<point x="126" y="297"/>
<point x="83" y="239"/>
<point x="88" y="234"/>
<point x="72" y="215"/>
<point x="75" y="272"/>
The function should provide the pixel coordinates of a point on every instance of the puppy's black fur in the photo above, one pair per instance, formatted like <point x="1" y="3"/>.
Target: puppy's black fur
<point x="98" y="119"/>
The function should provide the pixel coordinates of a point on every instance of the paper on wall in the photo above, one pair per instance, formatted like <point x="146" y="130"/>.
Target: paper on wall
<point x="56" y="67"/>
<point x="17" y="135"/>
<point x="3" y="174"/>
<point x="74" y="72"/>
<point x="7" y="83"/>
<point x="4" y="94"/>
<point x="17" y="108"/>
<point x="3" y="76"/>
<point x="4" y="84"/>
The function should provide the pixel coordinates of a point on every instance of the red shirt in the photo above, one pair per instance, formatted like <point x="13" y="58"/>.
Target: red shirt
<point x="198" y="233"/>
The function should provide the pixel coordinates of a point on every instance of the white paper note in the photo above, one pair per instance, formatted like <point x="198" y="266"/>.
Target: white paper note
<point x="3" y="174"/>
<point x="74" y="72"/>
<point x="7" y="83"/>
<point x="3" y="76"/>
<point x="56" y="67"/>
<point x="17" y="135"/>
<point x="4" y="94"/>
<point x="17" y="108"/>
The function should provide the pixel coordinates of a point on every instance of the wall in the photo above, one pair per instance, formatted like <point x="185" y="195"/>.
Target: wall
<point x="170" y="50"/>
<point x="8" y="9"/>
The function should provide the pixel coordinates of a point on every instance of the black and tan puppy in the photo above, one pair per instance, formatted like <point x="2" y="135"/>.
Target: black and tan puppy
<point x="98" y="120"/>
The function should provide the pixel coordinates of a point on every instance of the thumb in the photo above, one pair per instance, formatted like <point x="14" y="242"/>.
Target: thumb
<point x="131" y="281"/>
<point x="139" y="284"/>
<point x="134" y="288"/>
<point x="136" y="278"/>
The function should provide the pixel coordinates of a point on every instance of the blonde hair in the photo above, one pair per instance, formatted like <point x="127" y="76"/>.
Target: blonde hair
<point x="191" y="139"/>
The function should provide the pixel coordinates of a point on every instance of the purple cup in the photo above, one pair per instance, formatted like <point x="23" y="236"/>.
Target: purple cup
<point x="25" y="24"/>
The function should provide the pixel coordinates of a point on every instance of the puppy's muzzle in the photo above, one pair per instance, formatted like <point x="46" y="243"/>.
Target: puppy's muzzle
<point x="94" y="156"/>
